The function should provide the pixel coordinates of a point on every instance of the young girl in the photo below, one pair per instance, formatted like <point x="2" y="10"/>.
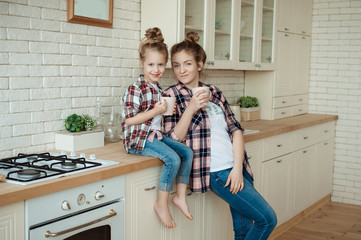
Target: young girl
<point x="220" y="162"/>
<point x="141" y="123"/>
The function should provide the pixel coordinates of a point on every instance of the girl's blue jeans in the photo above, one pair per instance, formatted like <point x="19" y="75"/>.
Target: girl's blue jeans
<point x="253" y="218"/>
<point x="177" y="159"/>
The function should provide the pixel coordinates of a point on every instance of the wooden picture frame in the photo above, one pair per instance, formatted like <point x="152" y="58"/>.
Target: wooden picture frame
<point x="91" y="12"/>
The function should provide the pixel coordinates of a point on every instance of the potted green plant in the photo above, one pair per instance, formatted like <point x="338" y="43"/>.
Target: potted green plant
<point x="80" y="134"/>
<point x="250" y="109"/>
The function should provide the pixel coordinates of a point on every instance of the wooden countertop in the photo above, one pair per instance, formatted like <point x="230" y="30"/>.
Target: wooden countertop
<point x="11" y="193"/>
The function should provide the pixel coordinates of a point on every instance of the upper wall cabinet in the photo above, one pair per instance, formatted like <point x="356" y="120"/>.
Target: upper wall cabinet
<point x="295" y="16"/>
<point x="236" y="34"/>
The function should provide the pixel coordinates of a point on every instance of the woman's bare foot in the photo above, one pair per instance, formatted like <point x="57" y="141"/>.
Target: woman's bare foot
<point x="182" y="204"/>
<point x="164" y="215"/>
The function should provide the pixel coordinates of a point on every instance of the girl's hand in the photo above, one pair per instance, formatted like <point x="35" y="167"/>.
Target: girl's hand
<point x="235" y="178"/>
<point x="198" y="101"/>
<point x="160" y="107"/>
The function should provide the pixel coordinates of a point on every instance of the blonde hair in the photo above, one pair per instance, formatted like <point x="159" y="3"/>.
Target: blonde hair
<point x="153" y="40"/>
<point x="191" y="46"/>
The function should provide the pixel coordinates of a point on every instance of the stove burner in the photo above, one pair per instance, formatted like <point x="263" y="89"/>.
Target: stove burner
<point x="29" y="174"/>
<point x="68" y="165"/>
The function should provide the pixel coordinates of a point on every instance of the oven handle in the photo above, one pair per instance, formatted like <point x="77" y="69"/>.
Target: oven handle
<point x="112" y="213"/>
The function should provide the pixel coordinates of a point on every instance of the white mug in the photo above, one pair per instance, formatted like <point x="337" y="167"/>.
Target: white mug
<point x="197" y="89"/>
<point x="170" y="105"/>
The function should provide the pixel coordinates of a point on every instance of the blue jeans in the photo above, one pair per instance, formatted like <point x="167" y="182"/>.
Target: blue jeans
<point x="177" y="159"/>
<point x="253" y="218"/>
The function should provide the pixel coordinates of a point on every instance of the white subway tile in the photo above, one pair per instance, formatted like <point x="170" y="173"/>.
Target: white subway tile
<point x="44" y="93"/>
<point x="51" y="104"/>
<point x="25" y="58"/>
<point x="43" y="71"/>
<point x="25" y="82"/>
<point x="26" y="106"/>
<point x="24" y="11"/>
<point x="44" y="47"/>
<point x="55" y="59"/>
<point x="74" y="92"/>
<point x="14" y="142"/>
<point x="13" y="119"/>
<point x="28" y="129"/>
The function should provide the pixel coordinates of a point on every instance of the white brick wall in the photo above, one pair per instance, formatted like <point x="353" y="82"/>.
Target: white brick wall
<point x="50" y="68"/>
<point x="335" y="87"/>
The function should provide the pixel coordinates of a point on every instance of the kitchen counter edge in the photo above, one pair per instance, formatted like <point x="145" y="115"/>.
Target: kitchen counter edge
<point x="11" y="193"/>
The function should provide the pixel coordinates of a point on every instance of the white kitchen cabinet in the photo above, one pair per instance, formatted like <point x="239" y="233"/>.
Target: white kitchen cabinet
<point x="217" y="218"/>
<point x="141" y="220"/>
<point x="302" y="179"/>
<point x="257" y="35"/>
<point x="276" y="186"/>
<point x="284" y="91"/>
<point x="236" y="34"/>
<point x="12" y="221"/>
<point x="323" y="169"/>
<point x="255" y="154"/>
<point x="295" y="16"/>
<point x="141" y="193"/>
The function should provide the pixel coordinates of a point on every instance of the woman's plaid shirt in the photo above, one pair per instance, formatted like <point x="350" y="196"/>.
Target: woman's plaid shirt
<point x="199" y="133"/>
<point x="139" y="97"/>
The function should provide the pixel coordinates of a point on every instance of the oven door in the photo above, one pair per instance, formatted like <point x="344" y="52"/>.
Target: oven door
<point x="102" y="223"/>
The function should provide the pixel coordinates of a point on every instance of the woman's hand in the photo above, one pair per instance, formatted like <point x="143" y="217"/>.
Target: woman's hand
<point x="160" y="107"/>
<point x="235" y="178"/>
<point x="198" y="101"/>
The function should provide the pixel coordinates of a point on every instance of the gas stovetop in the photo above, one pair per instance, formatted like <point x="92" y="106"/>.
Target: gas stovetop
<point x="32" y="168"/>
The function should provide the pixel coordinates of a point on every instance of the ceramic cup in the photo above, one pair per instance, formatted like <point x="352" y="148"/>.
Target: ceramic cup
<point x="197" y="89"/>
<point x="170" y="105"/>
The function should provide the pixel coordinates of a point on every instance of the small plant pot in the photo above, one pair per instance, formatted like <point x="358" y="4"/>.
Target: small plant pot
<point x="76" y="141"/>
<point x="250" y="114"/>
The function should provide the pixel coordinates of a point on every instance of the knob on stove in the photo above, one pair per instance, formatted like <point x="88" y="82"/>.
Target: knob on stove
<point x="65" y="205"/>
<point x="98" y="195"/>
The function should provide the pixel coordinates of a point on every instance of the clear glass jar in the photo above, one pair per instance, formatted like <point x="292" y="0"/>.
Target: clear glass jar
<point x="112" y="127"/>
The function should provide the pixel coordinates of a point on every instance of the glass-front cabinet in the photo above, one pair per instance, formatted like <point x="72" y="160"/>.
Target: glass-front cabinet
<point x="236" y="34"/>
<point x="256" y="38"/>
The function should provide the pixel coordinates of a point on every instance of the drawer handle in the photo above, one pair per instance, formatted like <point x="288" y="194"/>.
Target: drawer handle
<point x="286" y="29"/>
<point x="300" y="110"/>
<point x="305" y="137"/>
<point x="326" y="131"/>
<point x="326" y="143"/>
<point x="279" y="161"/>
<point x="283" y="112"/>
<point x="149" y="189"/>
<point x="284" y="102"/>
<point x="279" y="145"/>
<point x="300" y="100"/>
<point x="305" y="151"/>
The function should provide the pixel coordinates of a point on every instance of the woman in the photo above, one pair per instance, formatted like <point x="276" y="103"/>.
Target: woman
<point x="209" y="128"/>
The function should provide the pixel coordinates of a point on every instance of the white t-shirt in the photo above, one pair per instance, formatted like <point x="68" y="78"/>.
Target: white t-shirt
<point x="221" y="145"/>
<point x="157" y="120"/>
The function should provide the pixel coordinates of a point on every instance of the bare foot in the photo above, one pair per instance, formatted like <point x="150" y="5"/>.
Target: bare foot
<point x="164" y="215"/>
<point x="182" y="204"/>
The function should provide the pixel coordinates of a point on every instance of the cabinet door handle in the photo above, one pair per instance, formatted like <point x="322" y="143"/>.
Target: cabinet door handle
<point x="149" y="189"/>
<point x="284" y="102"/>
<point x="305" y="137"/>
<point x="283" y="113"/>
<point x="286" y="35"/>
<point x="326" y="143"/>
<point x="305" y="151"/>
<point x="286" y="29"/>
<point x="300" y="100"/>
<point x="326" y="131"/>
<point x="279" y="161"/>
<point x="279" y="145"/>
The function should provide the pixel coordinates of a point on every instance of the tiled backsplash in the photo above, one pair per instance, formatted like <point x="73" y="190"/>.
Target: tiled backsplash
<point x="50" y="68"/>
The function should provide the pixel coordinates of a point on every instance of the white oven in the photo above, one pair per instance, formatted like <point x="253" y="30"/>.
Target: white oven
<point x="93" y="212"/>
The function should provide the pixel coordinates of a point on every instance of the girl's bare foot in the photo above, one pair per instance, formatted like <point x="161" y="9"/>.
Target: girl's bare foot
<point x="164" y="215"/>
<point x="182" y="204"/>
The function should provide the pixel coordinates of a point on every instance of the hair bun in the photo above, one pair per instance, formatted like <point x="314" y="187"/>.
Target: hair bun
<point x="154" y="35"/>
<point x="192" y="37"/>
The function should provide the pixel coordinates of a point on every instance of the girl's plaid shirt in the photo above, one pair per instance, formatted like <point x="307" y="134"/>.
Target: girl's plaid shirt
<point x="139" y="97"/>
<point x="199" y="133"/>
